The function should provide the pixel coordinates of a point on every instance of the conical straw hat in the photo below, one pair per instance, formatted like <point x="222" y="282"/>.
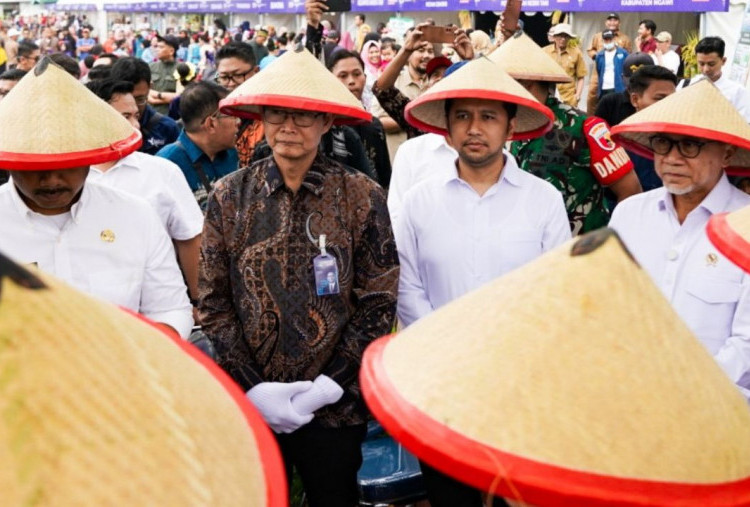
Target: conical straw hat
<point x="51" y="121"/>
<point x="100" y="408"/>
<point x="570" y="381"/>
<point x="730" y="233"/>
<point x="522" y="58"/>
<point x="479" y="79"/>
<point x="699" y="110"/>
<point x="295" y="80"/>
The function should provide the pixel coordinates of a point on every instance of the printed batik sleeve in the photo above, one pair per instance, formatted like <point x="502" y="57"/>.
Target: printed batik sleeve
<point x="216" y="305"/>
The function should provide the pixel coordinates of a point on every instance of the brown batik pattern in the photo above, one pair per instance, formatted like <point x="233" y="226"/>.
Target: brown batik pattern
<point x="258" y="299"/>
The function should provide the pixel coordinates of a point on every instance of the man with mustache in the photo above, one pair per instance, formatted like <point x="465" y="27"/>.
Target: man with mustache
<point x="665" y="227"/>
<point x="104" y="242"/>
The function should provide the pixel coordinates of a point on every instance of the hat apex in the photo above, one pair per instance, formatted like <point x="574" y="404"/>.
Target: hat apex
<point x="52" y="121"/>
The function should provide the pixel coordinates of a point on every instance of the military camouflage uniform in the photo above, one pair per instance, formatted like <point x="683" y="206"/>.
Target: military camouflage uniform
<point x="562" y="157"/>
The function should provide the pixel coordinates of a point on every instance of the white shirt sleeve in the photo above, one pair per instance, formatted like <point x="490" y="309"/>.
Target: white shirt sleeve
<point x="413" y="302"/>
<point x="557" y="229"/>
<point x="400" y="182"/>
<point x="163" y="293"/>
<point x="734" y="355"/>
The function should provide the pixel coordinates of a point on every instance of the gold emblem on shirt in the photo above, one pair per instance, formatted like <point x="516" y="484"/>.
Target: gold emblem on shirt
<point x="107" y="236"/>
<point x="712" y="259"/>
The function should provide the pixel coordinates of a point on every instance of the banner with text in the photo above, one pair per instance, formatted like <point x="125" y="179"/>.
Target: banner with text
<point x="298" y="6"/>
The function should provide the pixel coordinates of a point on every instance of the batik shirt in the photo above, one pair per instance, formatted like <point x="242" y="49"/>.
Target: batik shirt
<point x="562" y="157"/>
<point x="258" y="299"/>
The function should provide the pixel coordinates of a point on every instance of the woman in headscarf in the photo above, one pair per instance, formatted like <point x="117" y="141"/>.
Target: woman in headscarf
<point x="371" y="57"/>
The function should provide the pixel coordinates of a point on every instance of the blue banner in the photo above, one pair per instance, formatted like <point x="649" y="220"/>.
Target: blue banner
<point x="298" y="6"/>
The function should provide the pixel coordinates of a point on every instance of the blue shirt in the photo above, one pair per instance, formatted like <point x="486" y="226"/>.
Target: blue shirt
<point x="84" y="42"/>
<point x="162" y="132"/>
<point x="185" y="153"/>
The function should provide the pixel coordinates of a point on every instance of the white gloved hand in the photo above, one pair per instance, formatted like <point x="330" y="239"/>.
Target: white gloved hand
<point x="323" y="392"/>
<point x="274" y="402"/>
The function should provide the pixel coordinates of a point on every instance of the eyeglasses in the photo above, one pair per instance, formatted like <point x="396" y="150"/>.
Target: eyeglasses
<point x="300" y="118"/>
<point x="237" y="78"/>
<point x="218" y="115"/>
<point x="141" y="100"/>
<point x="688" y="148"/>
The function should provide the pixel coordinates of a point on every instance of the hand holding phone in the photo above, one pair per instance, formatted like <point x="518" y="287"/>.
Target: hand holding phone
<point x="442" y="34"/>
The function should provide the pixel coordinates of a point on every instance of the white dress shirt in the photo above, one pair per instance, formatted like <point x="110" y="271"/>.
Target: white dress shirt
<point x="451" y="241"/>
<point x="709" y="292"/>
<point x="112" y="246"/>
<point x="162" y="184"/>
<point x="669" y="60"/>
<point x="736" y="94"/>
<point x="417" y="159"/>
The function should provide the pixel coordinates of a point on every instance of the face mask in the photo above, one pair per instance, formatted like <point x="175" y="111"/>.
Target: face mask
<point x="609" y="45"/>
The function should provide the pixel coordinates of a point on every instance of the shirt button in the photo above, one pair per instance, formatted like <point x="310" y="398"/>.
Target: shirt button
<point x="673" y="254"/>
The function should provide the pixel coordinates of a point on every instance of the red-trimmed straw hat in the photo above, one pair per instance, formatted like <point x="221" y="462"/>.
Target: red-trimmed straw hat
<point x="699" y="110"/>
<point x="295" y="80"/>
<point x="730" y="233"/>
<point x="522" y="58"/>
<point x="101" y="408"/>
<point x="51" y="121"/>
<point x="547" y="387"/>
<point x="479" y="79"/>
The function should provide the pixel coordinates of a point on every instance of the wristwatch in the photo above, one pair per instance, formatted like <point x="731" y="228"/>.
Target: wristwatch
<point x="158" y="96"/>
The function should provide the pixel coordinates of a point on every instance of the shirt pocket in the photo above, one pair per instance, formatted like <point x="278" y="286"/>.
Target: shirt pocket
<point x="709" y="309"/>
<point x="117" y="286"/>
<point x="516" y="247"/>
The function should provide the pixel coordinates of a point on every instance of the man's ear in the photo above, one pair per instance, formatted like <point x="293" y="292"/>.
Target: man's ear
<point x="511" y="128"/>
<point x="729" y="151"/>
<point x="634" y="100"/>
<point x="327" y="122"/>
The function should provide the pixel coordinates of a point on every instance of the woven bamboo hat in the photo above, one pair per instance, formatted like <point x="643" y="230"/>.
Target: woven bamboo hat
<point x="295" y="80"/>
<point x="730" y="233"/>
<point x="699" y="110"/>
<point x="100" y="408"/>
<point x="479" y="79"/>
<point x="52" y="121"/>
<point x="549" y="387"/>
<point x="522" y="58"/>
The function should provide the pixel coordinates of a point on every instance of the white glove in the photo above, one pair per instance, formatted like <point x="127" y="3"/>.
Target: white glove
<point x="274" y="402"/>
<point x="324" y="391"/>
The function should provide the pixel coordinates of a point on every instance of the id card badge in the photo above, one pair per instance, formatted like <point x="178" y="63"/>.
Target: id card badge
<point x="326" y="271"/>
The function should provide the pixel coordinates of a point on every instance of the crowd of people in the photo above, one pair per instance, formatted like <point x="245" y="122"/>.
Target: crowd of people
<point x="298" y="195"/>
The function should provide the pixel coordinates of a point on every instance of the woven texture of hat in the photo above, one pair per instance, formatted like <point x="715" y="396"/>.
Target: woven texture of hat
<point x="739" y="221"/>
<point x="480" y="78"/>
<point x="52" y="114"/>
<point x="522" y="58"/>
<point x="698" y="106"/>
<point x="295" y="80"/>
<point x="99" y="408"/>
<point x="580" y="362"/>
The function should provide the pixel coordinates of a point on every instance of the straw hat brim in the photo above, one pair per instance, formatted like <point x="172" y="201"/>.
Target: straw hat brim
<point x="486" y="468"/>
<point x="268" y="449"/>
<point x="250" y="106"/>
<point x="45" y="161"/>
<point x="139" y="403"/>
<point x="635" y="137"/>
<point x="728" y="240"/>
<point x="532" y="119"/>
